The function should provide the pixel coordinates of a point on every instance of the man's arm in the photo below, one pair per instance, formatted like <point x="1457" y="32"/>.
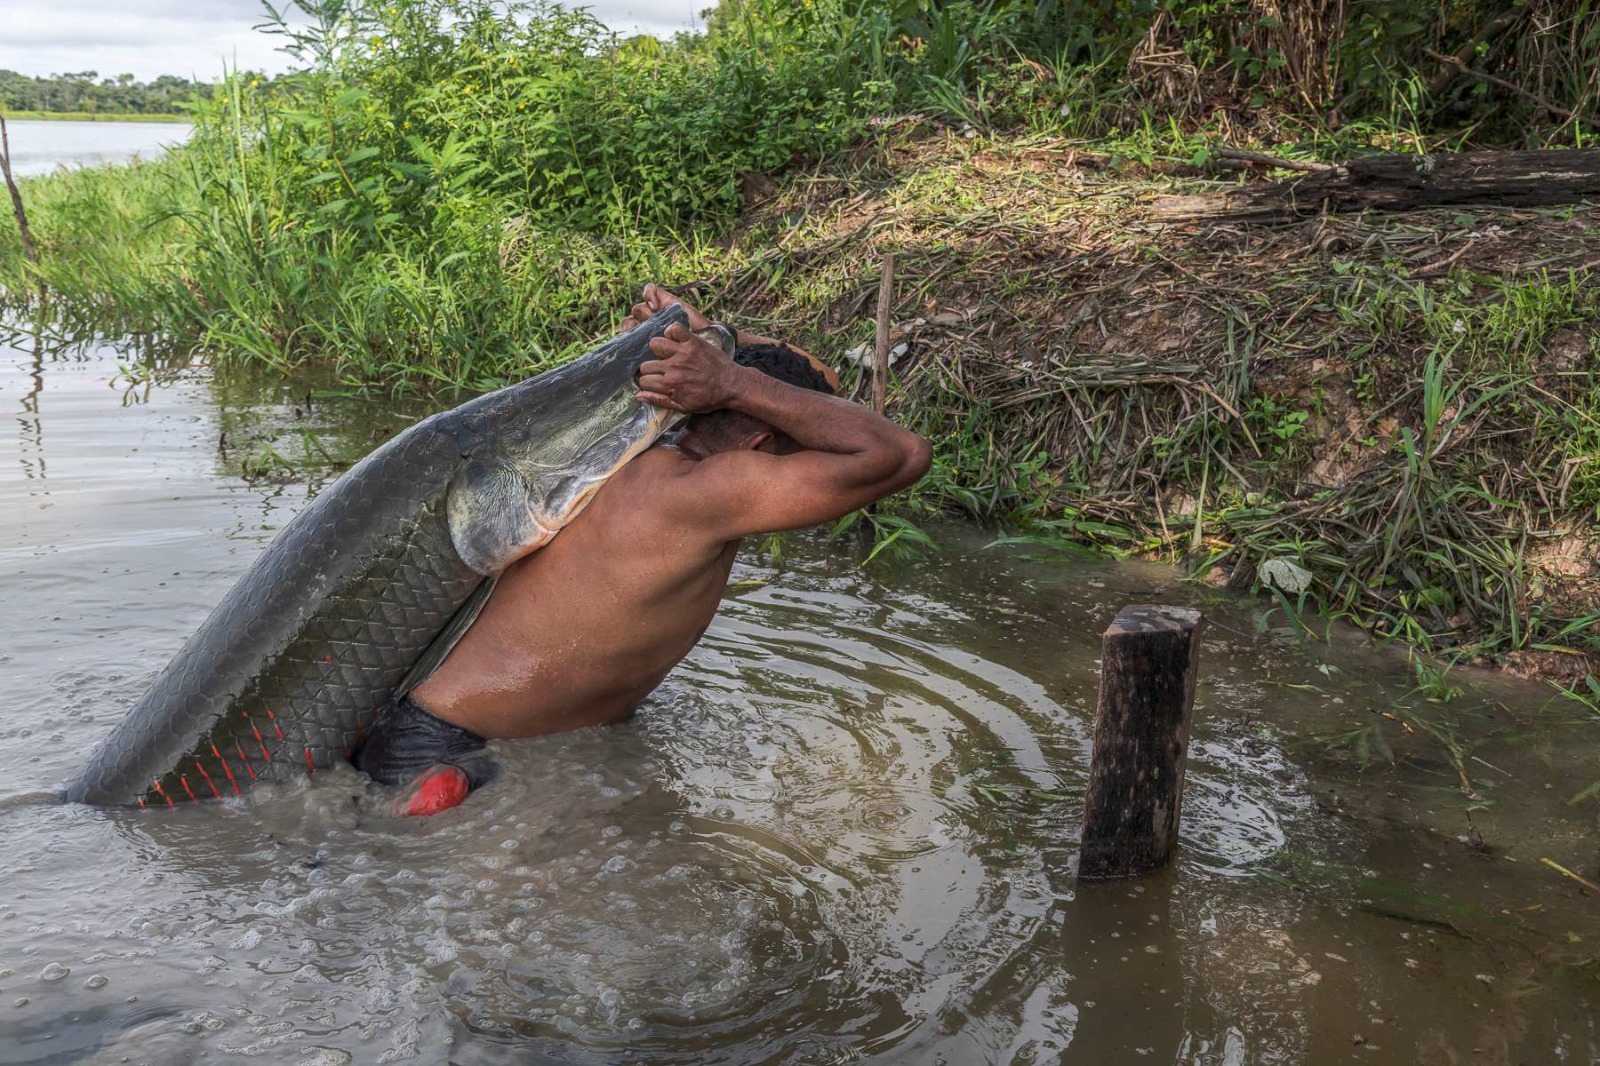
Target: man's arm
<point x="851" y="456"/>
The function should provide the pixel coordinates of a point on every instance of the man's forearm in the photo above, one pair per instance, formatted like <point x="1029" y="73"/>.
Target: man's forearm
<point x="821" y="422"/>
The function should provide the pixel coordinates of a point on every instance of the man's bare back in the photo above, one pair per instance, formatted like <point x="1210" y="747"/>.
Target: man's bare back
<point x="582" y="630"/>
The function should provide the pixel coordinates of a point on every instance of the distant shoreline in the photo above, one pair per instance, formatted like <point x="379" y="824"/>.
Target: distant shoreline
<point x="88" y="116"/>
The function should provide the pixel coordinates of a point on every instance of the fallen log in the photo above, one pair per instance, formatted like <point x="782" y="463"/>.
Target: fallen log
<point x="1403" y="183"/>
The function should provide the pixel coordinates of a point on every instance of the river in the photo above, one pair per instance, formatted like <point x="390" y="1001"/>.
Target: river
<point x="842" y="831"/>
<point x="39" y="146"/>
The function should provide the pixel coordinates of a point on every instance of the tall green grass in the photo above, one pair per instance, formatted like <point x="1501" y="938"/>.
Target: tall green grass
<point x="459" y="191"/>
<point x="462" y="190"/>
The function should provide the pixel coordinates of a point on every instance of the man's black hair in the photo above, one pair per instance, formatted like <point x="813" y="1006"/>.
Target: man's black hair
<point x="724" y="428"/>
<point x="784" y="363"/>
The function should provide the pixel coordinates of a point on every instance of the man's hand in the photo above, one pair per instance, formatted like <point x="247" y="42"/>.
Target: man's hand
<point x="688" y="374"/>
<point x="658" y="299"/>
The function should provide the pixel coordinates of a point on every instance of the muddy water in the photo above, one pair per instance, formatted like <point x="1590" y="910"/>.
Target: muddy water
<point x="842" y="831"/>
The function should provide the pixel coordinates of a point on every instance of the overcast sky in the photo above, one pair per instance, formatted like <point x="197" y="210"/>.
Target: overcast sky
<point x="146" y="38"/>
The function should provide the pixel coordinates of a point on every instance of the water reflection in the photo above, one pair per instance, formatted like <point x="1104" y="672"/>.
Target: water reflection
<point x="32" y="451"/>
<point x="842" y="831"/>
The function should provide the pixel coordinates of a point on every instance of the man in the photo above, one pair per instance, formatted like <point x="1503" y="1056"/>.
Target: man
<point x="579" y="632"/>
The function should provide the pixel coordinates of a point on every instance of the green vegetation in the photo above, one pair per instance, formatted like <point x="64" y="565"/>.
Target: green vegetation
<point x="86" y="94"/>
<point x="1403" y="410"/>
<point x="91" y="116"/>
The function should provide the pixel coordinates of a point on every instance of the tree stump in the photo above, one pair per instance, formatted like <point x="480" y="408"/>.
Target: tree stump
<point x="1150" y="656"/>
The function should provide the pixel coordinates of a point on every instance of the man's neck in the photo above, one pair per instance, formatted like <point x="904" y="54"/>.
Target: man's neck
<point x="688" y="447"/>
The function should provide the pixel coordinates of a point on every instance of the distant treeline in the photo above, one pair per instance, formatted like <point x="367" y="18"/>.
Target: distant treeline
<point x="87" y="91"/>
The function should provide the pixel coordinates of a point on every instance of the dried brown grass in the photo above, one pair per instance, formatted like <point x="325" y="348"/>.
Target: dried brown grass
<point x="1224" y="392"/>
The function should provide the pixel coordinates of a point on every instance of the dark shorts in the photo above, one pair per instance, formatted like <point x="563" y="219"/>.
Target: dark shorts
<point x="406" y="740"/>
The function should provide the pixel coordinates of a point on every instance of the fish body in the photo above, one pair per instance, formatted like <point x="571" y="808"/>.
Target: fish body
<point x="364" y="590"/>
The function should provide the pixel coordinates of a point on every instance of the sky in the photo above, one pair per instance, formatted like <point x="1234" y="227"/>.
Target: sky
<point x="194" y="38"/>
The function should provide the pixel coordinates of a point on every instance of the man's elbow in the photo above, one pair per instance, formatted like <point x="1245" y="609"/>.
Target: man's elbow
<point x="896" y="462"/>
<point x="916" y="458"/>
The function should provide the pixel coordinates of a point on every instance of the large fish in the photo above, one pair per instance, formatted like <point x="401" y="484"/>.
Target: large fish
<point x="368" y="588"/>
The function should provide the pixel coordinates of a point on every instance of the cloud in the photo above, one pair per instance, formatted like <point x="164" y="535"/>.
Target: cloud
<point x="147" y="38"/>
<point x="664" y="17"/>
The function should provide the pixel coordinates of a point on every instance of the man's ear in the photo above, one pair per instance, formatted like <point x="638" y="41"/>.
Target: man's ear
<point x="763" y="440"/>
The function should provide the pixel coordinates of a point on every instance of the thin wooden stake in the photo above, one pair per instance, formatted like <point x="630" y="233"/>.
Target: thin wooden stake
<point x="880" y="349"/>
<point x="28" y="248"/>
<point x="1149" y="658"/>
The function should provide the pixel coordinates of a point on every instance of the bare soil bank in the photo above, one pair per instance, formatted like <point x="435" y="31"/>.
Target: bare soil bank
<point x="1402" y="404"/>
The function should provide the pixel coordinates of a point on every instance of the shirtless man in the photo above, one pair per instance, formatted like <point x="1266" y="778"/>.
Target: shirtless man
<point x="579" y="632"/>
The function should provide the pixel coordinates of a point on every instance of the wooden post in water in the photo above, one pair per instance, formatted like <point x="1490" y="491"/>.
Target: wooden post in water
<point x="1149" y="658"/>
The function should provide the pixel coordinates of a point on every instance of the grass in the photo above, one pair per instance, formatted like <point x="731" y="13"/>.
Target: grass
<point x="1418" y="439"/>
<point x="454" y="194"/>
<point x="93" y="116"/>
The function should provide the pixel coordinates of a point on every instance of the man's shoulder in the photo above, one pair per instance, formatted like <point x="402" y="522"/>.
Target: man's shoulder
<point x="677" y="490"/>
<point x="653" y="466"/>
<point x="650" y="480"/>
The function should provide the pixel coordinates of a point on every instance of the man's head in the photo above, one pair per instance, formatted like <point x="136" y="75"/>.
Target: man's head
<point x="726" y="430"/>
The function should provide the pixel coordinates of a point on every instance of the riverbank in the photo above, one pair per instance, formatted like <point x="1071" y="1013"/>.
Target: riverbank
<point x="91" y="116"/>
<point x="1402" y="407"/>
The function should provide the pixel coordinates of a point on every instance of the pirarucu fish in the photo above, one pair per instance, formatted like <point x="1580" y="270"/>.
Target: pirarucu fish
<point x="367" y="588"/>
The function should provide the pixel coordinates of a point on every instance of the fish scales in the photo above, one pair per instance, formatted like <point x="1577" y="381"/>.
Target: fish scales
<point x="335" y="667"/>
